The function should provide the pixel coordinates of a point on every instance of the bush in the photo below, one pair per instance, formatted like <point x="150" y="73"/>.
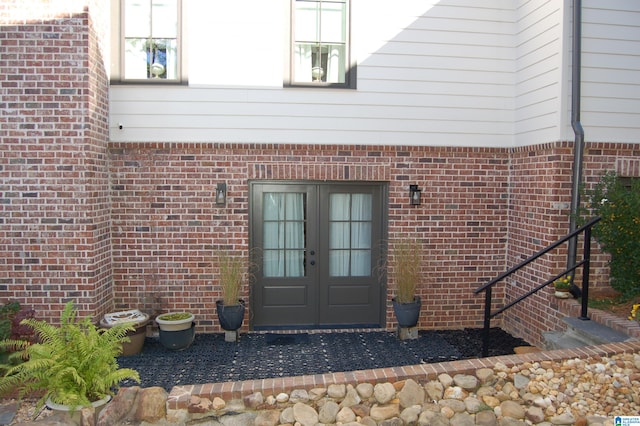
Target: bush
<point x="11" y="316"/>
<point x="618" y="233"/>
<point x="7" y="313"/>
<point x="73" y="363"/>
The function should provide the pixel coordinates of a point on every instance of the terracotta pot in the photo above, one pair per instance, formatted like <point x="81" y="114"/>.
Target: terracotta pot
<point x="135" y="318"/>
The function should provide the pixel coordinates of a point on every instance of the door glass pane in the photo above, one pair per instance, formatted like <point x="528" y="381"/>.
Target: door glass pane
<point x="272" y="263"/>
<point x="360" y="263"/>
<point x="283" y="216"/>
<point x="293" y="232"/>
<point x="294" y="266"/>
<point x="275" y="233"/>
<point x="338" y="263"/>
<point x="339" y="238"/>
<point x="350" y="235"/>
<point x="361" y="235"/>
<point x="272" y="205"/>
<point x="294" y="207"/>
<point x="339" y="207"/>
<point x="361" y="207"/>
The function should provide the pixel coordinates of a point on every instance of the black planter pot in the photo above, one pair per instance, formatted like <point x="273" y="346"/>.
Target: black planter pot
<point x="407" y="314"/>
<point x="177" y="340"/>
<point x="230" y="316"/>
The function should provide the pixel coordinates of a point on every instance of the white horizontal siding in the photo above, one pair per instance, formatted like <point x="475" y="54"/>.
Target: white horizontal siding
<point x="438" y="72"/>
<point x="444" y="64"/>
<point x="539" y="71"/>
<point x="611" y="70"/>
<point x="315" y="110"/>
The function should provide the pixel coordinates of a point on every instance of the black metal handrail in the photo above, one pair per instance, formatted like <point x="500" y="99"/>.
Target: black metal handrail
<point x="585" y="263"/>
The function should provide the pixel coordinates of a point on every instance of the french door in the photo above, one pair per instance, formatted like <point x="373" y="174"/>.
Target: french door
<point x="316" y="248"/>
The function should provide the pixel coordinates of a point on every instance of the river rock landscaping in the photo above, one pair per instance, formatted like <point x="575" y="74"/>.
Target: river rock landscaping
<point x="572" y="392"/>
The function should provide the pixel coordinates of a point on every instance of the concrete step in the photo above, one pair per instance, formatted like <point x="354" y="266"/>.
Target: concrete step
<point x="559" y="340"/>
<point x="582" y="333"/>
<point x="592" y="332"/>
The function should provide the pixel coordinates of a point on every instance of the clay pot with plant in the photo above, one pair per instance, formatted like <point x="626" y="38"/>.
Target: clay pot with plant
<point x="177" y="329"/>
<point x="232" y="271"/>
<point x="562" y="287"/>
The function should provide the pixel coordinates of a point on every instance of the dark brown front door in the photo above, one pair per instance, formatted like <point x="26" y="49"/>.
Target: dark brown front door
<point x="316" y="246"/>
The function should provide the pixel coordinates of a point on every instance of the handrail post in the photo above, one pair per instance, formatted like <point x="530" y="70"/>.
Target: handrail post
<point x="586" y="253"/>
<point x="487" y="322"/>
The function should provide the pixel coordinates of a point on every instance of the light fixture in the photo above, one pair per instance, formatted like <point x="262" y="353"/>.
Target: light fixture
<point x="414" y="195"/>
<point x="221" y="194"/>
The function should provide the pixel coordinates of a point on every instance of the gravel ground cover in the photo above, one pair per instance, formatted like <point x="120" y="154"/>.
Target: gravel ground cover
<point x="264" y="355"/>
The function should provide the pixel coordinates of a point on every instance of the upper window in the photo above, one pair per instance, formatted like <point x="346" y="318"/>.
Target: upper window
<point x="320" y="44"/>
<point x="150" y="40"/>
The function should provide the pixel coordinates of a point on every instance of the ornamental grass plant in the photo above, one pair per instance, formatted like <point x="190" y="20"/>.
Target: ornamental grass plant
<point x="407" y="265"/>
<point x="233" y="270"/>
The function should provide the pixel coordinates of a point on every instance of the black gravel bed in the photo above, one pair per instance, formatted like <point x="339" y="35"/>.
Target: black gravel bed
<point x="210" y="359"/>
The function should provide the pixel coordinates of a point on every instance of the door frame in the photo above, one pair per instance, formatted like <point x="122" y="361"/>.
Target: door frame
<point x="381" y="277"/>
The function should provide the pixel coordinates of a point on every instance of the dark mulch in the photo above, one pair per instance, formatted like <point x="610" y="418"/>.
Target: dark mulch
<point x="263" y="355"/>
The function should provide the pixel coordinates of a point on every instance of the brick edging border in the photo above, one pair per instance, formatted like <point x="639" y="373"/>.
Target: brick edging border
<point x="180" y="396"/>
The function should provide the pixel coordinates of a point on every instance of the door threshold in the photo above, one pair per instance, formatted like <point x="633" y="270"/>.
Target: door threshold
<point x="323" y="327"/>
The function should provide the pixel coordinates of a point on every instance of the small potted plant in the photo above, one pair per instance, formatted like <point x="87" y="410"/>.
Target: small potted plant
<point x="562" y="287"/>
<point x="175" y="321"/>
<point x="635" y="313"/>
<point x="177" y="329"/>
<point x="231" y="308"/>
<point x="73" y="365"/>
<point x="407" y="265"/>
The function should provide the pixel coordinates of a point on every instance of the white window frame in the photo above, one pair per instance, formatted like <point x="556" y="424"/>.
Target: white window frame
<point x="118" y="49"/>
<point x="349" y="63"/>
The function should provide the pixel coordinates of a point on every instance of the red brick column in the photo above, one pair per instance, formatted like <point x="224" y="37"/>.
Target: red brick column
<point x="54" y="212"/>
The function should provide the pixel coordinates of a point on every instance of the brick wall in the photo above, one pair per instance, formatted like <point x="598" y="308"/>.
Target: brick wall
<point x="54" y="239"/>
<point x="482" y="211"/>
<point x="540" y="185"/>
<point x="165" y="222"/>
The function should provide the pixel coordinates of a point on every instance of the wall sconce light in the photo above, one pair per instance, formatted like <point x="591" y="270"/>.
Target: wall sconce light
<point x="221" y="194"/>
<point x="414" y="195"/>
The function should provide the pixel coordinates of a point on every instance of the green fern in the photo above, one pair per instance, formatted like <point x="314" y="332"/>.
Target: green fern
<point x="73" y="363"/>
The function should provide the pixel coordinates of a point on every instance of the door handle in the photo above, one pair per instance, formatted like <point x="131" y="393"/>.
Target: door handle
<point x="313" y="262"/>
